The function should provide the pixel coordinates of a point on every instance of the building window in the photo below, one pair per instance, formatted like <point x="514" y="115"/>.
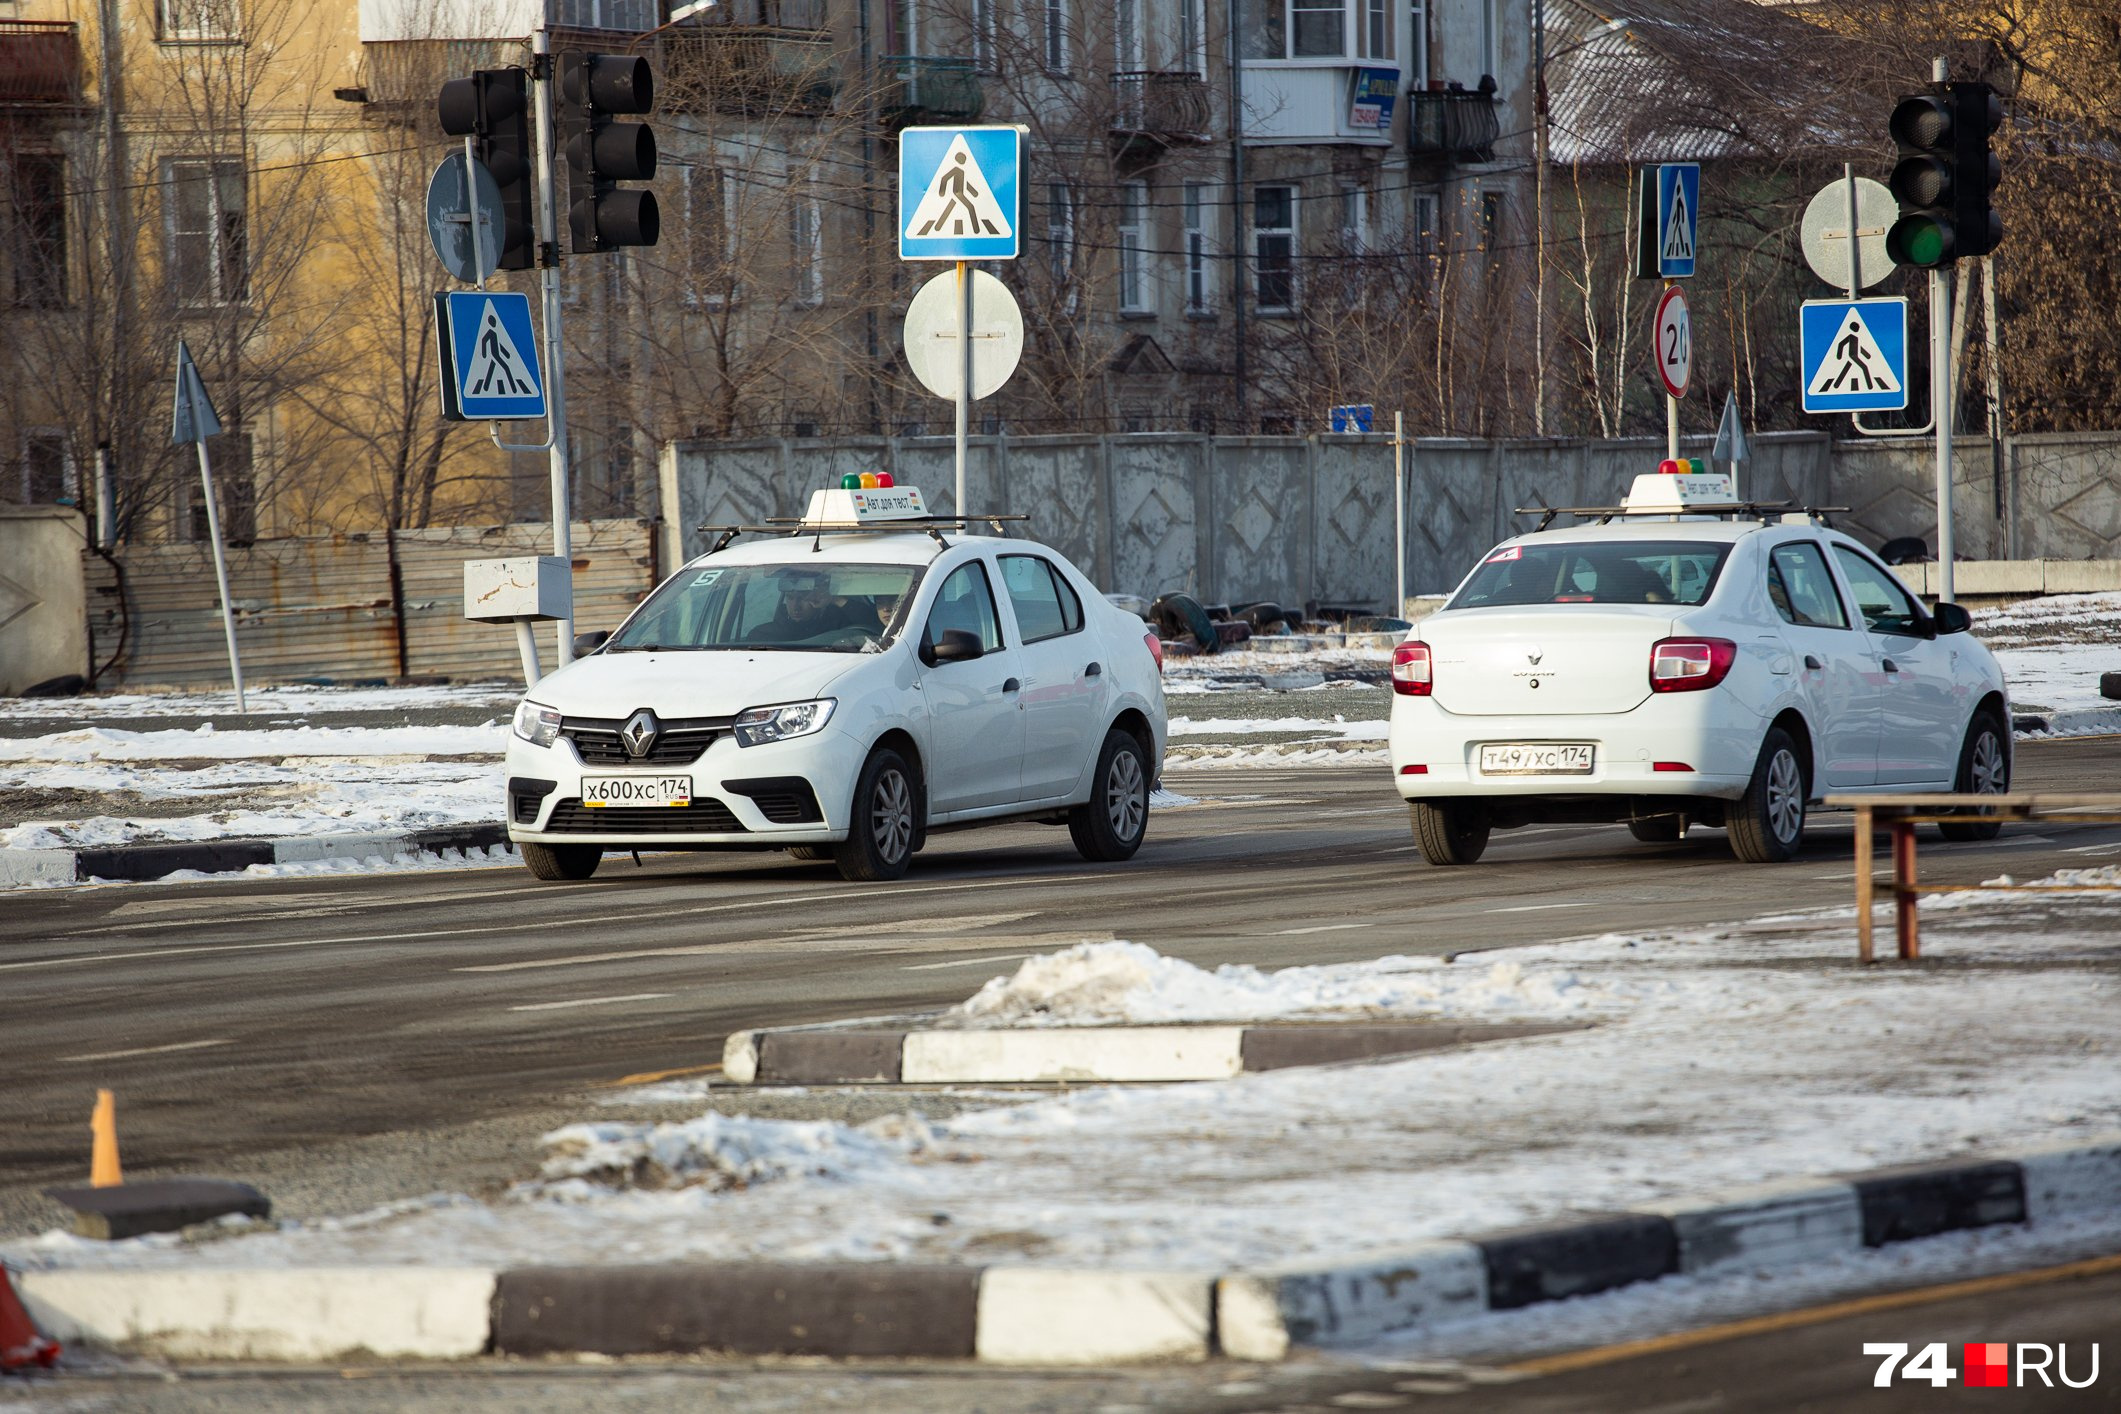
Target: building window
<point x="711" y="277"/>
<point x="1377" y="30"/>
<point x="1134" y="248"/>
<point x="605" y="14"/>
<point x="47" y="468"/>
<point x="1274" y="248"/>
<point x="1354" y="221"/>
<point x="1196" y="206"/>
<point x="1418" y="27"/>
<point x="1490" y="60"/>
<point x="36" y="231"/>
<point x="209" y="261"/>
<point x="1055" y="31"/>
<point x="1060" y="232"/>
<point x="1491" y="227"/>
<point x="983" y="35"/>
<point x="1192" y="38"/>
<point x="1428" y="244"/>
<point x="193" y="20"/>
<point x="806" y="251"/>
<point x="1303" y="29"/>
<point x="1127" y="36"/>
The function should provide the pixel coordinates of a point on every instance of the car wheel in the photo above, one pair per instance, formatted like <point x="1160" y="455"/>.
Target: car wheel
<point x="1984" y="769"/>
<point x="1451" y="831"/>
<point x="561" y="861"/>
<point x="810" y="853"/>
<point x="1766" y="824"/>
<point x="1109" y="826"/>
<point x="1658" y="829"/>
<point x="887" y="802"/>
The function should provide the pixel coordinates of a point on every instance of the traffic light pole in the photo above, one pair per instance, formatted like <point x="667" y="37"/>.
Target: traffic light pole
<point x="549" y="292"/>
<point x="1941" y="386"/>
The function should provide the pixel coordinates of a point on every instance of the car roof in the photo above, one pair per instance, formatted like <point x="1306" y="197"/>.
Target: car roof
<point x="1639" y="528"/>
<point x="859" y="548"/>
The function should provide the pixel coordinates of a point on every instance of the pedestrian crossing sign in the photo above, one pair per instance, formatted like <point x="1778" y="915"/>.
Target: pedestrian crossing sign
<point x="489" y="356"/>
<point x="1854" y="355"/>
<point x="1678" y="217"/>
<point x="958" y="193"/>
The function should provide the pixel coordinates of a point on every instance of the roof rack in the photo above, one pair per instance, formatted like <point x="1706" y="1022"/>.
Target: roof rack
<point x="932" y="526"/>
<point x="1766" y="511"/>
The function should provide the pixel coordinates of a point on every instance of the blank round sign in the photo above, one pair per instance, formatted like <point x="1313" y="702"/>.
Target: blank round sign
<point x="1673" y="352"/>
<point x="932" y="349"/>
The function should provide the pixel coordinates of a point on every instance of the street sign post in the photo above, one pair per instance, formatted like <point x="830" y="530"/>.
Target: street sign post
<point x="960" y="199"/>
<point x="1672" y="350"/>
<point x="1731" y="445"/>
<point x="489" y="357"/>
<point x="193" y="420"/>
<point x="1853" y="355"/>
<point x="464" y="218"/>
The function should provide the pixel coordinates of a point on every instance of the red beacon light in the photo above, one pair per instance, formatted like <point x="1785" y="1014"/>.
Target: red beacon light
<point x="884" y="481"/>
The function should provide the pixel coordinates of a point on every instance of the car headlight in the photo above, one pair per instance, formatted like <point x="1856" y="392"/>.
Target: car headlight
<point x="536" y="725"/>
<point x="763" y="724"/>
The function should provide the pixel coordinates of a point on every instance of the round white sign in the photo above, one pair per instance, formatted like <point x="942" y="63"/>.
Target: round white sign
<point x="1673" y="348"/>
<point x="1824" y="234"/>
<point x="932" y="348"/>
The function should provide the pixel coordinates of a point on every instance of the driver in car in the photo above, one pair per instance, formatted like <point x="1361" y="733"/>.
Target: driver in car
<point x="805" y="612"/>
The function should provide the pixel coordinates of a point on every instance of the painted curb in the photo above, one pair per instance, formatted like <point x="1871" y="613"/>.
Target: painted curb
<point x="867" y="1055"/>
<point x="139" y="863"/>
<point x="1048" y="1316"/>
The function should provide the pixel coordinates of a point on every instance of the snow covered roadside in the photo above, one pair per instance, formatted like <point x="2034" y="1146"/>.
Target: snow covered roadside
<point x="1723" y="1058"/>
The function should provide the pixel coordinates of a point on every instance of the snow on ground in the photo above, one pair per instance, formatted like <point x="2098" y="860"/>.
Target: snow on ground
<point x="1719" y="1058"/>
<point x="285" y="700"/>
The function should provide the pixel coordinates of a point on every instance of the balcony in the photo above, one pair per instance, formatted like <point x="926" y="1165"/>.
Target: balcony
<point x="40" y="62"/>
<point x="1455" y="125"/>
<point x="919" y="88"/>
<point x="1157" y="110"/>
<point x="748" y="71"/>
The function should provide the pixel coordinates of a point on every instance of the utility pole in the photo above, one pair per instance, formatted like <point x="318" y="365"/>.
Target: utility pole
<point x="541" y="79"/>
<point x="1540" y="122"/>
<point x="1237" y="204"/>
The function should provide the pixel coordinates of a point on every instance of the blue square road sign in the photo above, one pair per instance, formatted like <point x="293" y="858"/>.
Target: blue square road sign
<point x="959" y="197"/>
<point x="489" y="356"/>
<point x="1678" y="218"/>
<point x="1853" y="355"/>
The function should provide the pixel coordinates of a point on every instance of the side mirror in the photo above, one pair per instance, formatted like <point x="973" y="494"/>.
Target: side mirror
<point x="588" y="643"/>
<point x="958" y="645"/>
<point x="1951" y="618"/>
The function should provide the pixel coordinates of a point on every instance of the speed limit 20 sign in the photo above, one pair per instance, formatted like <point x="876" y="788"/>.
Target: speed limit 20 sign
<point x="1673" y="347"/>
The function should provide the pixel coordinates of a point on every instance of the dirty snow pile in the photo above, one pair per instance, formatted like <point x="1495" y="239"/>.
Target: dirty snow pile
<point x="1097" y="984"/>
<point x="1717" y="1058"/>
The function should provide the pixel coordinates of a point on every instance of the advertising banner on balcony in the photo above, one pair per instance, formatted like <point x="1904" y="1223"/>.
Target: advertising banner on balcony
<point x="1372" y="95"/>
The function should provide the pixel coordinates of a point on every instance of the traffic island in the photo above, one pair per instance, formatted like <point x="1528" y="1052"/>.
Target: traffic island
<point x="139" y="863"/>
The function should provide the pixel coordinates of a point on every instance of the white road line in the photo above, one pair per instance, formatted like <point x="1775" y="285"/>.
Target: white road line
<point x="1321" y="928"/>
<point x="964" y="962"/>
<point x="150" y="1050"/>
<point x="2093" y="849"/>
<point x="1537" y="907"/>
<point x="594" y="1001"/>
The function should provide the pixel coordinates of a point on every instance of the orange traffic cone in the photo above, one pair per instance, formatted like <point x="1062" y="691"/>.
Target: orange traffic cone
<point x="103" y="1169"/>
<point x="20" y="1345"/>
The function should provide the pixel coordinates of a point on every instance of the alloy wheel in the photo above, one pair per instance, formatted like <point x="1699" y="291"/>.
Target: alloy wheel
<point x="1785" y="797"/>
<point x="1126" y="795"/>
<point x="891" y="815"/>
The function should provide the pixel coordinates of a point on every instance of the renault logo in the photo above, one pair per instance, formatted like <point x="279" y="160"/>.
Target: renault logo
<point x="639" y="733"/>
<point x="1533" y="655"/>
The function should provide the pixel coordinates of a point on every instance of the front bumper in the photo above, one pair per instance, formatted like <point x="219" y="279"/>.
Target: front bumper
<point x="1697" y="729"/>
<point x="760" y="797"/>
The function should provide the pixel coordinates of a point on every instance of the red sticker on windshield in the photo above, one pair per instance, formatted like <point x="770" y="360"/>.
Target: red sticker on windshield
<point x="1508" y="552"/>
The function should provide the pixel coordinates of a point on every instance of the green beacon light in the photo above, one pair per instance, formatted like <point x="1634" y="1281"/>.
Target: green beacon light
<point x="852" y="481"/>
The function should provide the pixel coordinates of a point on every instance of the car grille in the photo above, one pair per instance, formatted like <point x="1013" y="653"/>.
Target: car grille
<point x="679" y="743"/>
<point x="702" y="817"/>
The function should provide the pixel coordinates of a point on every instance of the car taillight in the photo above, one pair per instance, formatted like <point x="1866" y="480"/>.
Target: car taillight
<point x="1690" y="664"/>
<point x="1156" y="650"/>
<point x="1411" y="675"/>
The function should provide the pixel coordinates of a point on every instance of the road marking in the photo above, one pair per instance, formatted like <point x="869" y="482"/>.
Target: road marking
<point x="151" y="1050"/>
<point x="2093" y="849"/>
<point x="594" y="1001"/>
<point x="782" y="901"/>
<point x="649" y="1077"/>
<point x="964" y="962"/>
<point x="1811" y="1316"/>
<point x="1536" y="907"/>
<point x="1321" y="928"/>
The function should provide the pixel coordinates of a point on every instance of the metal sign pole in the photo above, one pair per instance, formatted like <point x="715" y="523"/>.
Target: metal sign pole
<point x="1940" y="411"/>
<point x="964" y="385"/>
<point x="213" y="532"/>
<point x="1671" y="404"/>
<point x="549" y="290"/>
<point x="1399" y="515"/>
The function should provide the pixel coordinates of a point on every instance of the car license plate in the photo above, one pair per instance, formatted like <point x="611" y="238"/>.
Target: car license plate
<point x="1536" y="758"/>
<point x="600" y="791"/>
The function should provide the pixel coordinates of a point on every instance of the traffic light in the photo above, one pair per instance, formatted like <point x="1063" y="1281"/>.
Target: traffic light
<point x="493" y="107"/>
<point x="602" y="153"/>
<point x="1945" y="175"/>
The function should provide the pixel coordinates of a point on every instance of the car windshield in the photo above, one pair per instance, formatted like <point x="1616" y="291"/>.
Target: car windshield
<point x="1680" y="572"/>
<point x="788" y="608"/>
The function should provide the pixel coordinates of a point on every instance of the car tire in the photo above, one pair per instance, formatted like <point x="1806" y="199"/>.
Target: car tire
<point x="555" y="862"/>
<point x="1450" y="831"/>
<point x="1766" y="824"/>
<point x="1658" y="829"/>
<point x="810" y="853"/>
<point x="881" y="825"/>
<point x="1110" y="825"/>
<point x="1984" y="769"/>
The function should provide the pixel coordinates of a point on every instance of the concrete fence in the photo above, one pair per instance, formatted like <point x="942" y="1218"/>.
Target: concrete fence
<point x="1232" y="519"/>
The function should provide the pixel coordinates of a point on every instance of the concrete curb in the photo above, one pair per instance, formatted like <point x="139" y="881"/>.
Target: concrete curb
<point x="856" y="1055"/>
<point x="1040" y="1315"/>
<point x="2075" y="722"/>
<point x="140" y="862"/>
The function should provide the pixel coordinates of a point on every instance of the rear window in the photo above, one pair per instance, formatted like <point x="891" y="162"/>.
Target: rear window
<point x="1681" y="572"/>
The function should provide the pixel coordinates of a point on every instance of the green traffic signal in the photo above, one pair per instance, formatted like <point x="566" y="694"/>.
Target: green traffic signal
<point x="1920" y="240"/>
<point x="1945" y="175"/>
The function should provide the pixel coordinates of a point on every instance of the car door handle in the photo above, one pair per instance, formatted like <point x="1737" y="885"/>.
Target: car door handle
<point x="1012" y="686"/>
<point x="1094" y="670"/>
<point x="1812" y="663"/>
<point x="1891" y="666"/>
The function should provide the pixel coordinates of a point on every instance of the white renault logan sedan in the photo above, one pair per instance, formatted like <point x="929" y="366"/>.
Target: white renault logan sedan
<point x="838" y="692"/>
<point x="1667" y="669"/>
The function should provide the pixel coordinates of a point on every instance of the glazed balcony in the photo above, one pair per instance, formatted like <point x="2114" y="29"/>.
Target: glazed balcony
<point x="749" y="70"/>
